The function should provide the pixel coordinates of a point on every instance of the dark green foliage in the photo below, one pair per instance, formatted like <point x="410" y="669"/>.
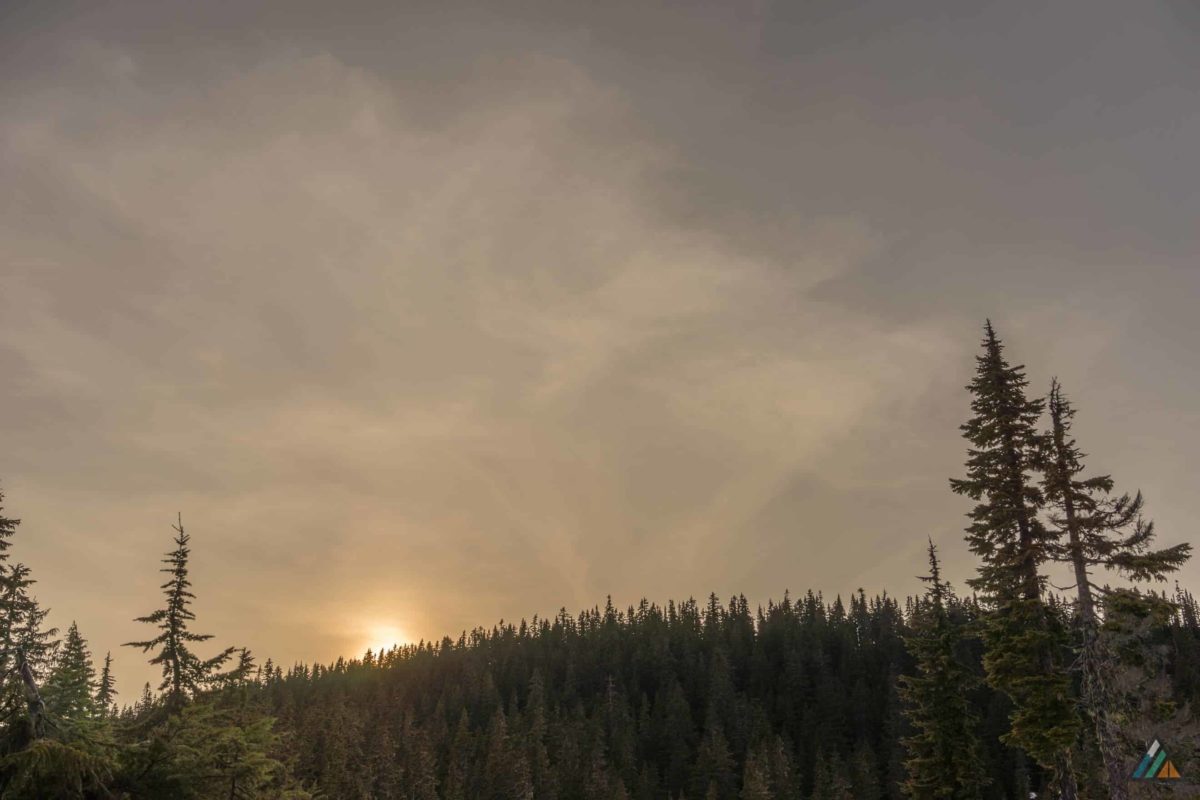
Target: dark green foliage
<point x="26" y="649"/>
<point x="577" y="689"/>
<point x="830" y="781"/>
<point x="1097" y="529"/>
<point x="1142" y="634"/>
<point x="184" y="673"/>
<point x="70" y="689"/>
<point x="49" y="768"/>
<point x="945" y="759"/>
<point x="685" y="700"/>
<point x="1022" y="638"/>
<point x="206" y="736"/>
<point x="8" y="528"/>
<point x="215" y="748"/>
<point x="106" y="688"/>
<point x="23" y="634"/>
<point x="1025" y="642"/>
<point x="1004" y="532"/>
<point x="1094" y="527"/>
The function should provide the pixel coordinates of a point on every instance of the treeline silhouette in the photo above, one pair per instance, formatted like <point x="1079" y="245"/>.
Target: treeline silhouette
<point x="1000" y="690"/>
<point x="795" y="700"/>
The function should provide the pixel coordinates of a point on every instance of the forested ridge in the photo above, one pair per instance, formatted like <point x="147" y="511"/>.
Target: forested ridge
<point x="795" y="700"/>
<point x="996" y="689"/>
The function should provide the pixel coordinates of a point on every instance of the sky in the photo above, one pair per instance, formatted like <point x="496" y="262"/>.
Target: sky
<point x="427" y="315"/>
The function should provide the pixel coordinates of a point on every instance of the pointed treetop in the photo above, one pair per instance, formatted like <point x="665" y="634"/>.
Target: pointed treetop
<point x="184" y="673"/>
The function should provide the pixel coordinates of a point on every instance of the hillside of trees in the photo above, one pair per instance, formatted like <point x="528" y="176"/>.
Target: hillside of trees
<point x="998" y="689"/>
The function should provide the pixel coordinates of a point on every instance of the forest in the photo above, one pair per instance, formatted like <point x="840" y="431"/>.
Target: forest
<point x="1007" y="687"/>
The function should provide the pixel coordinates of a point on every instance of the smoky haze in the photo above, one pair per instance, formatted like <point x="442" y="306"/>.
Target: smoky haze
<point x="426" y="315"/>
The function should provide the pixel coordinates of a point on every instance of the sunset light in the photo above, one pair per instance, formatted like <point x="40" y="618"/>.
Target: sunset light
<point x="381" y="637"/>
<point x="632" y="400"/>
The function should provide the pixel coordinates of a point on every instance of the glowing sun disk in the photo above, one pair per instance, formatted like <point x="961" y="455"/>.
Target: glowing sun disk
<point x="384" y="636"/>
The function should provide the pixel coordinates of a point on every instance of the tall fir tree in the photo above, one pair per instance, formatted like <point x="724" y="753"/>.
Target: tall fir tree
<point x="8" y="528"/>
<point x="829" y="779"/>
<point x="184" y="673"/>
<point x="22" y="620"/>
<point x="27" y="650"/>
<point x="70" y="689"/>
<point x="756" y="778"/>
<point x="1098" y="529"/>
<point x="145" y="701"/>
<point x="106" y="688"/>
<point x="1094" y="527"/>
<point x="944" y="755"/>
<point x="41" y="752"/>
<point x="1023" y="640"/>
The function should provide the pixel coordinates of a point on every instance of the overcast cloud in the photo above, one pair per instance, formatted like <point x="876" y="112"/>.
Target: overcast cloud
<point x="427" y="315"/>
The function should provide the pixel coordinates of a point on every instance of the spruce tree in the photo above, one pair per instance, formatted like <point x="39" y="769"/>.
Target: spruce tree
<point x="21" y="618"/>
<point x="944" y="755"/>
<point x="1095" y="527"/>
<point x="459" y="761"/>
<point x="756" y="781"/>
<point x="714" y="766"/>
<point x="145" y="701"/>
<point x="184" y="673"/>
<point x="864" y="773"/>
<point x="1098" y="529"/>
<point x="1004" y="531"/>
<point x="26" y="652"/>
<point x="70" y="689"/>
<point x="829" y="779"/>
<point x="418" y="764"/>
<point x="540" y="770"/>
<point x="8" y="528"/>
<point x="1023" y="641"/>
<point x="106" y="688"/>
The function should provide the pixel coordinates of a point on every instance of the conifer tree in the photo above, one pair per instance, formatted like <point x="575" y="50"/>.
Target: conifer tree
<point x="540" y="772"/>
<point x="864" y="773"/>
<point x="22" y="620"/>
<point x="944" y="756"/>
<point x="21" y="617"/>
<point x="756" y="778"/>
<point x="106" y="688"/>
<point x="69" y="691"/>
<point x="8" y="528"/>
<point x="1004" y="529"/>
<point x="714" y="765"/>
<point x="458" y="769"/>
<point x="35" y="761"/>
<point x="1097" y="529"/>
<point x="829" y="779"/>
<point x="145" y="701"/>
<point x="1022" y="639"/>
<point x="505" y="769"/>
<point x="184" y="673"/>
<point x="26" y="651"/>
<point x="419" y="764"/>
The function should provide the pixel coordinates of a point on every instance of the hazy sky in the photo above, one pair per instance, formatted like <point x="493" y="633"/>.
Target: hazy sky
<point x="426" y="315"/>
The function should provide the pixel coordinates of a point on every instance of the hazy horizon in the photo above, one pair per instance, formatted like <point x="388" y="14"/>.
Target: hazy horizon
<point x="428" y="315"/>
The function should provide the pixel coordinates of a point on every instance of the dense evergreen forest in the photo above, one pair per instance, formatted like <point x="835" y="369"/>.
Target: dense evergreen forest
<point x="998" y="689"/>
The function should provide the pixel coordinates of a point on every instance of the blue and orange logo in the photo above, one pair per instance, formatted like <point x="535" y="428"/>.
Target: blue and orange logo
<point x="1155" y="766"/>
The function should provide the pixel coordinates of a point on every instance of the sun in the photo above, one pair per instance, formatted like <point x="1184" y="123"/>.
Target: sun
<point x="383" y="636"/>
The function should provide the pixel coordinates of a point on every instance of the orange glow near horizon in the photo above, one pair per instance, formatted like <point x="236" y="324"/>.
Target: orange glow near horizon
<point x="382" y="636"/>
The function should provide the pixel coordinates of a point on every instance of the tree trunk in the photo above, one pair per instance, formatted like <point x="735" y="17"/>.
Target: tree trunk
<point x="1092" y="663"/>
<point x="1097" y="696"/>
<point x="33" y="698"/>
<point x="1064" y="777"/>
